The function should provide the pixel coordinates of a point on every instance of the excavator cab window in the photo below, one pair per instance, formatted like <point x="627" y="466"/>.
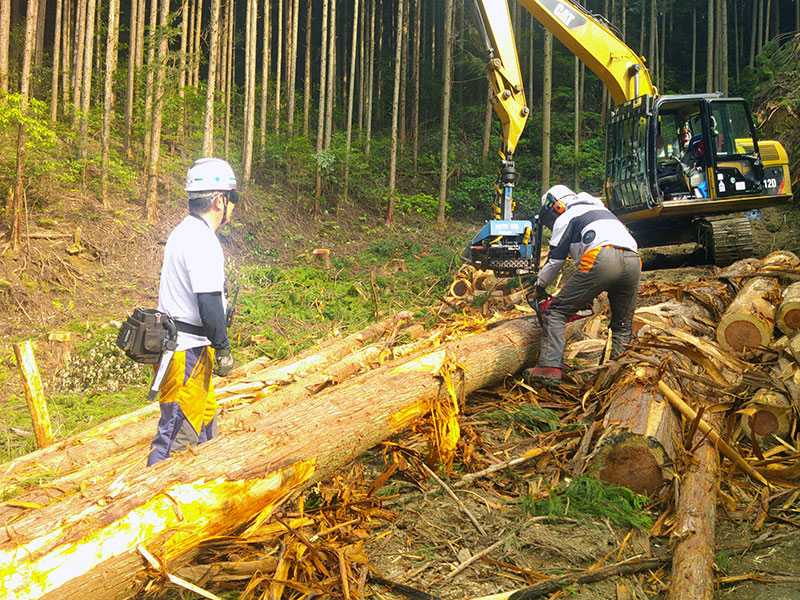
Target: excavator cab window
<point x="733" y="155"/>
<point x="627" y="186"/>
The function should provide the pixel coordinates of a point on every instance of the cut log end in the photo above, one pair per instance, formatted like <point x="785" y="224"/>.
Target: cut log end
<point x="742" y="333"/>
<point x="765" y="423"/>
<point x="631" y="461"/>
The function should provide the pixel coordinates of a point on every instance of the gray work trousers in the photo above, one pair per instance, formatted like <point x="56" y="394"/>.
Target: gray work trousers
<point x="615" y="271"/>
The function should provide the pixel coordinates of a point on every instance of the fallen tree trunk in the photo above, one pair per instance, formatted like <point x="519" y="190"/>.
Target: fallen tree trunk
<point x="788" y="315"/>
<point x="85" y="545"/>
<point x="692" y="537"/>
<point x="640" y="428"/>
<point x="119" y="435"/>
<point x="750" y="319"/>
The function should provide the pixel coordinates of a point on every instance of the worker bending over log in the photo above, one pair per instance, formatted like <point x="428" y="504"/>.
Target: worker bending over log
<point x="607" y="261"/>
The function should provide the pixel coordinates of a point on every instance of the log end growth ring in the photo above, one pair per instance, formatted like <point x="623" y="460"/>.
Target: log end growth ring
<point x="764" y="423"/>
<point x="632" y="461"/>
<point x="789" y="320"/>
<point x="740" y="332"/>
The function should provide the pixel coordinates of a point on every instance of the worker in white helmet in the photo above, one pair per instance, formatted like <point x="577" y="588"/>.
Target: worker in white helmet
<point x="192" y="292"/>
<point x="606" y="260"/>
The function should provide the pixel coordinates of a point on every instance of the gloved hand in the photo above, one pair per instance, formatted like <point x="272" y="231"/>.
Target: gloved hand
<point x="224" y="362"/>
<point x="536" y="295"/>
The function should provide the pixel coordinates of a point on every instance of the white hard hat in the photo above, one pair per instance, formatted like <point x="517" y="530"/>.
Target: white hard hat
<point x="210" y="175"/>
<point x="558" y="192"/>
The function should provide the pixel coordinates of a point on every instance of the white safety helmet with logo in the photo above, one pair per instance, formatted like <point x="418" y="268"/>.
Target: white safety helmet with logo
<point x="554" y="203"/>
<point x="211" y="175"/>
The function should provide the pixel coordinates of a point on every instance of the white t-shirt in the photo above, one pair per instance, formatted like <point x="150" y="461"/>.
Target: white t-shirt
<point x="193" y="264"/>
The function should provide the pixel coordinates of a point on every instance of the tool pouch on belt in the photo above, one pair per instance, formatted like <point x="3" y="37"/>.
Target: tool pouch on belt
<point x="145" y="335"/>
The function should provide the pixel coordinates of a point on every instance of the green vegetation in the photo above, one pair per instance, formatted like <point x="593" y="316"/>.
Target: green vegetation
<point x="533" y="417"/>
<point x="585" y="498"/>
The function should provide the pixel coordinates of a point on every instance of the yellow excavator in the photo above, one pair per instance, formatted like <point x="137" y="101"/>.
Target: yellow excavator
<point x="663" y="178"/>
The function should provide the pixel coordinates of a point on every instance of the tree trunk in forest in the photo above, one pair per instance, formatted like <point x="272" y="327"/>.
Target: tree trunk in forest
<point x="692" y="538"/>
<point x="66" y="55"/>
<point x="330" y="94"/>
<point x="694" y="47"/>
<point x="576" y="134"/>
<point x="447" y="84"/>
<point x="653" y="52"/>
<point x="191" y="49"/>
<point x="370" y="81"/>
<point x="213" y="52"/>
<point x="724" y="63"/>
<point x="5" y="40"/>
<point x="710" y="49"/>
<point x="351" y="93"/>
<point x="640" y="429"/>
<point x="547" y="95"/>
<point x="229" y="77"/>
<point x="293" y="66"/>
<point x="768" y="22"/>
<point x="278" y="66"/>
<point x="39" y="38"/>
<point x="266" y="57"/>
<point x="643" y="9"/>
<point x="131" y="80"/>
<point x="173" y="507"/>
<point x="249" y="24"/>
<point x="487" y="126"/>
<point x="396" y="106"/>
<point x="401" y="121"/>
<point x="112" y="42"/>
<point x="77" y="61"/>
<point x="182" y="66"/>
<point x="250" y="92"/>
<point x="152" y="35"/>
<point x="532" y="39"/>
<point x="753" y="33"/>
<point x="323" y="89"/>
<point x="56" y="61"/>
<point x="416" y="74"/>
<point x="151" y="202"/>
<point x="86" y="94"/>
<point x="307" y="73"/>
<point x="17" y="205"/>
<point x="198" y="34"/>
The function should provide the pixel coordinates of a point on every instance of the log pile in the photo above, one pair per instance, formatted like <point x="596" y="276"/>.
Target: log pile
<point x="680" y="406"/>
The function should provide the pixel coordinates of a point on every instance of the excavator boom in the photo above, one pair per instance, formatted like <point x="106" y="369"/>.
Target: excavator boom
<point x="621" y="70"/>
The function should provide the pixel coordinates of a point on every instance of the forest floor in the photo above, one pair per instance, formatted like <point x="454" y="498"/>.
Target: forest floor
<point x="83" y="266"/>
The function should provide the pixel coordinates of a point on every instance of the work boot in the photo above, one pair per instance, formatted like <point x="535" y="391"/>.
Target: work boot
<point x="548" y="376"/>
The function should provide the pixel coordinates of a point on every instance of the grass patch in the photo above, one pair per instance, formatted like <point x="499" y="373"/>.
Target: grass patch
<point x="533" y="417"/>
<point x="586" y="497"/>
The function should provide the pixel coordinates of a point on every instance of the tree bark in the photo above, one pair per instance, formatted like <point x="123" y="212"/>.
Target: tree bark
<point x="182" y="66"/>
<point x="250" y="88"/>
<point x="323" y="89"/>
<point x="133" y="40"/>
<point x="151" y="203"/>
<point x="5" y="40"/>
<point x="330" y="94"/>
<point x="22" y="133"/>
<point x="307" y="70"/>
<point x="637" y="446"/>
<point x="229" y="77"/>
<point x="56" y="61"/>
<point x="265" y="67"/>
<point x="576" y="134"/>
<point x="710" y="43"/>
<point x="290" y="110"/>
<point x="108" y="95"/>
<point x="213" y="52"/>
<point x="547" y="94"/>
<point x="198" y="31"/>
<point x="396" y="107"/>
<point x="350" y="99"/>
<point x="692" y="538"/>
<point x="694" y="47"/>
<point x="788" y="315"/>
<point x="171" y="508"/>
<point x="447" y="88"/>
<point x="77" y="62"/>
<point x="278" y="66"/>
<point x="370" y="81"/>
<point x="66" y="55"/>
<point x="487" y="127"/>
<point x="86" y="94"/>
<point x="39" y="39"/>
<point x="416" y="76"/>
<point x="149" y="79"/>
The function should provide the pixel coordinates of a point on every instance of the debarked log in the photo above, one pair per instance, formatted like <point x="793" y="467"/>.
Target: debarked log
<point x="134" y="430"/>
<point x="85" y="545"/>
<point x="637" y="446"/>
<point x="750" y="319"/>
<point x="788" y="315"/>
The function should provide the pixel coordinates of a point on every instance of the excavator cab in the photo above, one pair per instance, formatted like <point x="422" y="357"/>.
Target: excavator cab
<point x="687" y="168"/>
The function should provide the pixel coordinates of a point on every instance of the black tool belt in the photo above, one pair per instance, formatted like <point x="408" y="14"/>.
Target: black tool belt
<point x="146" y="334"/>
<point x="189" y="328"/>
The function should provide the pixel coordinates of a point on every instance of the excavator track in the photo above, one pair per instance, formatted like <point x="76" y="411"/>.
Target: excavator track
<point x="728" y="238"/>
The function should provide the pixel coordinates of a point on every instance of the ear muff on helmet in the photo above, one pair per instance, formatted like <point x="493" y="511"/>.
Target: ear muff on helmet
<point x="552" y="208"/>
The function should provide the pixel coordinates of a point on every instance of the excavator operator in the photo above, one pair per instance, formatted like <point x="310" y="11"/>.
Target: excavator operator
<point x="607" y="260"/>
